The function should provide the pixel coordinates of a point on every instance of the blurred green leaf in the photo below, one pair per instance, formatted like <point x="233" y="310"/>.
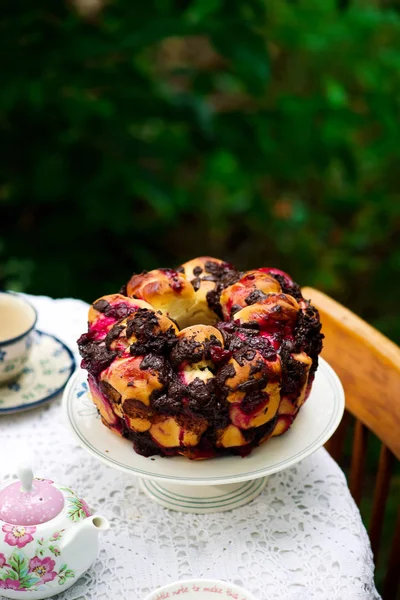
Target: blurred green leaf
<point x="335" y="93"/>
<point x="199" y="10"/>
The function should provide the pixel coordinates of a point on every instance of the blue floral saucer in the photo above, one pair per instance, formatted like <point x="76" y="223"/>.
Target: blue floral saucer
<point x="50" y="366"/>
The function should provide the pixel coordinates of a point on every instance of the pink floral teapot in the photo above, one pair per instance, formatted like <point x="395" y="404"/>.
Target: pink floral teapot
<point x="48" y="538"/>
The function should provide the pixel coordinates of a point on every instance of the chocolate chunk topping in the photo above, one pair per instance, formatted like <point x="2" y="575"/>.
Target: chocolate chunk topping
<point x="154" y="362"/>
<point x="113" y="334"/>
<point x="294" y="373"/>
<point x="235" y="308"/>
<point x="143" y="443"/>
<point x="176" y="389"/>
<point x="190" y="351"/>
<point x="226" y="372"/>
<point x="160" y="365"/>
<point x="253" y="400"/>
<point x="186" y="350"/>
<point x="245" y="338"/>
<point x="197" y="271"/>
<point x="213" y="302"/>
<point x="293" y="289"/>
<point x="253" y="384"/>
<point x="95" y="354"/>
<point x="166" y="405"/>
<point x="196" y="283"/>
<point x="255" y="296"/>
<point x="308" y="334"/>
<point x="224" y="275"/>
<point x="115" y="311"/>
<point x="144" y="326"/>
<point x="101" y="305"/>
<point x="244" y="354"/>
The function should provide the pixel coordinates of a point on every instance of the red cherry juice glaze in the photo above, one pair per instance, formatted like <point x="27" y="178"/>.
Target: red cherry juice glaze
<point x="288" y="279"/>
<point x="202" y="453"/>
<point x="103" y="324"/>
<point x="272" y="338"/>
<point x="229" y="305"/>
<point x="101" y="327"/>
<point x="219" y="355"/>
<point x="245" y="417"/>
<point x="175" y="281"/>
<point x="275" y="339"/>
<point x="181" y="373"/>
<point x="130" y="371"/>
<point x="244" y="451"/>
<point x="274" y="326"/>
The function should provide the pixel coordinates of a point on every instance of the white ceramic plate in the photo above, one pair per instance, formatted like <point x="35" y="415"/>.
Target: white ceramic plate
<point x="50" y="365"/>
<point x="201" y="589"/>
<point x="316" y="422"/>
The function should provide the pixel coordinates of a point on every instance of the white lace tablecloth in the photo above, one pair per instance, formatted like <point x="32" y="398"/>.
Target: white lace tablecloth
<point x="301" y="539"/>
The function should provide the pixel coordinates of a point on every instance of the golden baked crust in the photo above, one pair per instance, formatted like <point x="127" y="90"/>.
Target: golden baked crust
<point x="202" y="360"/>
<point x="166" y="290"/>
<point x="255" y="284"/>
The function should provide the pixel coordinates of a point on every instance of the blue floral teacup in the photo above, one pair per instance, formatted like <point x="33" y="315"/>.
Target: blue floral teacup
<point x="17" y="328"/>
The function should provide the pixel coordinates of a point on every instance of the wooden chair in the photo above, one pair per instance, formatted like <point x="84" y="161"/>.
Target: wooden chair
<point x="368" y="365"/>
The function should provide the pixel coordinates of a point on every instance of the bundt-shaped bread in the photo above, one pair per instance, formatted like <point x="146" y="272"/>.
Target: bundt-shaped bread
<point x="201" y="360"/>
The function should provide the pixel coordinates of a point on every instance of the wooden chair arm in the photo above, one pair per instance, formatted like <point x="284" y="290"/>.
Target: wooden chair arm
<point x="368" y="365"/>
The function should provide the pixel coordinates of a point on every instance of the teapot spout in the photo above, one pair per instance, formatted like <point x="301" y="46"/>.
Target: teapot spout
<point x="80" y="546"/>
<point x="97" y="523"/>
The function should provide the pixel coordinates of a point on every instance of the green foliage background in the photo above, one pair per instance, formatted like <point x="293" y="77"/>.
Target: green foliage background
<point x="150" y="132"/>
<point x="141" y="134"/>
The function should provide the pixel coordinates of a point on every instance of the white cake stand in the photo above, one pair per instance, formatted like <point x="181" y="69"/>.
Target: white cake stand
<point x="216" y="484"/>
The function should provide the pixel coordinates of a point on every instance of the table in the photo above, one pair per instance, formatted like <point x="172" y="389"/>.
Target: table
<point x="301" y="539"/>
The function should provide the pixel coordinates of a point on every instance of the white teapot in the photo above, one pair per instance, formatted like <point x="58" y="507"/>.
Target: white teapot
<point x="48" y="538"/>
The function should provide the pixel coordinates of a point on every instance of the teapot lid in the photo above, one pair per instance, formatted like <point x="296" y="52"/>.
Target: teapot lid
<point x="30" y="501"/>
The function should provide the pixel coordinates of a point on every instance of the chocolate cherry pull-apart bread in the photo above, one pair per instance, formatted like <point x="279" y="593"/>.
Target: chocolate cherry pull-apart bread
<point x="202" y="360"/>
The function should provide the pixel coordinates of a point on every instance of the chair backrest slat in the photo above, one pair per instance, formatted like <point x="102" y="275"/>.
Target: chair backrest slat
<point x="393" y="572"/>
<point x="357" y="471"/>
<point x="368" y="365"/>
<point x="382" y="485"/>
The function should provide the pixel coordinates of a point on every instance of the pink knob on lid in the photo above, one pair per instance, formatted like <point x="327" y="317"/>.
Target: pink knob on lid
<point x="30" y="501"/>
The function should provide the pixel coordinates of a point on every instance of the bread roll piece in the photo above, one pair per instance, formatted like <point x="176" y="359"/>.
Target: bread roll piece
<point x="166" y="290"/>
<point x="277" y="312"/>
<point x="203" y="281"/>
<point x="251" y="288"/>
<point x="108" y="310"/>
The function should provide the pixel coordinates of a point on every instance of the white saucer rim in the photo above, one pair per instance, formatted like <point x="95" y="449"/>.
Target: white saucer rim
<point x="198" y="580"/>
<point x="49" y="397"/>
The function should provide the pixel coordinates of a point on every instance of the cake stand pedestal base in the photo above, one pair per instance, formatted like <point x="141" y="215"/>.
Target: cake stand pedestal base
<point x="201" y="499"/>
